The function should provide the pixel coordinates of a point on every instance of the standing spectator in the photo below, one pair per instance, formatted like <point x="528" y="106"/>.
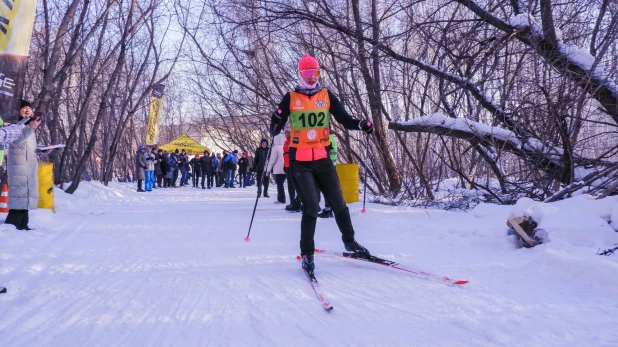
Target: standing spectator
<point x="140" y="167"/>
<point x="183" y="168"/>
<point x="231" y="162"/>
<point x="150" y="158"/>
<point x="176" y="167"/>
<point x="187" y="167"/>
<point x="275" y="165"/>
<point x="215" y="167"/>
<point x="22" y="169"/>
<point x="197" y="170"/>
<point x="259" y="163"/>
<point x="158" y="170"/>
<point x="243" y="165"/>
<point x="250" y="169"/>
<point x="206" y="167"/>
<point x="171" y="164"/>
<point x="294" y="205"/>
<point x="220" y="177"/>
<point x="214" y="163"/>
<point x="165" y="167"/>
<point x="223" y="165"/>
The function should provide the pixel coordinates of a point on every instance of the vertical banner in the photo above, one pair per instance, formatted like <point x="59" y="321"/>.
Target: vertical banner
<point x="156" y="101"/>
<point x="16" y="22"/>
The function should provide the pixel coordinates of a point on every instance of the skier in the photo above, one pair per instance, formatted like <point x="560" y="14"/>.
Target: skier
<point x="309" y="107"/>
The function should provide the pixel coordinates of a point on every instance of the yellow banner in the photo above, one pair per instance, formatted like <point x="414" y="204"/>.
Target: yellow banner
<point x="16" y="22"/>
<point x="156" y="102"/>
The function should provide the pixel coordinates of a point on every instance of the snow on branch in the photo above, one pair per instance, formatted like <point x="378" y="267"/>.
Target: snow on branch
<point x="544" y="156"/>
<point x="573" y="54"/>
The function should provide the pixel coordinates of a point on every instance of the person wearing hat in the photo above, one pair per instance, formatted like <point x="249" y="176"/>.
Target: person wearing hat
<point x="22" y="169"/>
<point x="243" y="165"/>
<point x="140" y="167"/>
<point x="309" y="108"/>
<point x="158" y="166"/>
<point x="206" y="167"/>
<point x="259" y="165"/>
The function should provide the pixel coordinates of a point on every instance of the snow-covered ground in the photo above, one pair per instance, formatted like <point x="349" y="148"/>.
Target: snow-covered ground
<point x="113" y="267"/>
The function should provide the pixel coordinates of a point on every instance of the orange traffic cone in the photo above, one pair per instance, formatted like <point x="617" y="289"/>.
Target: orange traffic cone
<point x="4" y="199"/>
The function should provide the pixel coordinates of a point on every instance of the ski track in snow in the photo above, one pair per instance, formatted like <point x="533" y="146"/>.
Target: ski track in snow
<point x="113" y="267"/>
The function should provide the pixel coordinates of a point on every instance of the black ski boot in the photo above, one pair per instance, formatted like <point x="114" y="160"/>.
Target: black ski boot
<point x="308" y="264"/>
<point x="326" y="213"/>
<point x="294" y="206"/>
<point x="355" y="247"/>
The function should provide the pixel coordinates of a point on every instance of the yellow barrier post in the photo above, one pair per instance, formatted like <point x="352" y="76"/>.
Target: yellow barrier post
<point x="46" y="185"/>
<point x="348" y="177"/>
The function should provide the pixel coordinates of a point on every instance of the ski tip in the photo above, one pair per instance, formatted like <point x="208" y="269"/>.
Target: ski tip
<point x="318" y="250"/>
<point x="329" y="308"/>
<point x="247" y="239"/>
<point x="363" y="210"/>
<point x="461" y="282"/>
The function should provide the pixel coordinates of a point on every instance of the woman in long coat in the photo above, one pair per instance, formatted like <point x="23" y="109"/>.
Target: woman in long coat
<point x="22" y="167"/>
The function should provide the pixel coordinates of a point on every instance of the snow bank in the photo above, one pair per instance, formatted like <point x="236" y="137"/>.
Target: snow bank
<point x="170" y="268"/>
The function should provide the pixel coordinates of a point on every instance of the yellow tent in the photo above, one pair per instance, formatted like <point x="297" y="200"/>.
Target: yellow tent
<point x="184" y="142"/>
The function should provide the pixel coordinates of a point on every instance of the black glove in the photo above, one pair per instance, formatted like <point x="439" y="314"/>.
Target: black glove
<point x="366" y="126"/>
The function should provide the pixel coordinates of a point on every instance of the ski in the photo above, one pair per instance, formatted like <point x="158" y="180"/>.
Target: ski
<point x="394" y="265"/>
<point x="2" y="290"/>
<point x="316" y="288"/>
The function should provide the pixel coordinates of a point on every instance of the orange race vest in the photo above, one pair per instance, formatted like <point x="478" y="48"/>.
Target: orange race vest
<point x="309" y="120"/>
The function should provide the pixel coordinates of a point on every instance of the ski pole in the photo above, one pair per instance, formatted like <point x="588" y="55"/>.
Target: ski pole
<point x="260" y="183"/>
<point x="363" y="210"/>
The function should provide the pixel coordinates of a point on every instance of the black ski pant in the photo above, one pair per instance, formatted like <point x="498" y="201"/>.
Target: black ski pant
<point x="262" y="178"/>
<point x="242" y="178"/>
<point x="19" y="218"/>
<point x="176" y="171"/>
<point x="320" y="174"/>
<point x="280" y="179"/>
<point x="291" y="184"/>
<point x="196" y="178"/>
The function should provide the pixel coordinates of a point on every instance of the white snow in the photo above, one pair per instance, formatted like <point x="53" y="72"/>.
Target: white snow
<point x="113" y="267"/>
<point x="520" y="20"/>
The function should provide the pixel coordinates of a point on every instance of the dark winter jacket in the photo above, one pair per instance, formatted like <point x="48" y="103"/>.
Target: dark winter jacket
<point x="175" y="158"/>
<point x="279" y="120"/>
<point x="195" y="166"/>
<point x="157" y="164"/>
<point x="243" y="165"/>
<point x="259" y="159"/>
<point x="171" y="167"/>
<point x="206" y="164"/>
<point x="165" y="167"/>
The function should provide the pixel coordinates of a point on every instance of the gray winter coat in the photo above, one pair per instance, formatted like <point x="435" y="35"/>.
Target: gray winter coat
<point x="23" y="166"/>
<point x="150" y="161"/>
<point x="140" y="165"/>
